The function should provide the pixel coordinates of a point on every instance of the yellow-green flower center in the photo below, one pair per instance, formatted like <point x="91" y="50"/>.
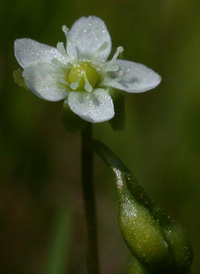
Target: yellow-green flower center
<point x="83" y="77"/>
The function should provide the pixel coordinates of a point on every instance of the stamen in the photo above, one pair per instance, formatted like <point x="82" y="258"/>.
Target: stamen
<point x="70" y="43"/>
<point x="63" y="81"/>
<point x="118" y="51"/>
<point x="75" y="84"/>
<point x="65" y="29"/>
<point x="87" y="85"/>
<point x="121" y="74"/>
<point x="103" y="47"/>
<point x="61" y="49"/>
<point x="115" y="80"/>
<point x="60" y="64"/>
<point x="110" y="67"/>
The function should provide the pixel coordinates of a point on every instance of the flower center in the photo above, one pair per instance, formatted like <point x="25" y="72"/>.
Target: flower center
<point x="83" y="77"/>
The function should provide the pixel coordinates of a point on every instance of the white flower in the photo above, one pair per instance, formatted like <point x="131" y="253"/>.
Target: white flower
<point x="81" y="73"/>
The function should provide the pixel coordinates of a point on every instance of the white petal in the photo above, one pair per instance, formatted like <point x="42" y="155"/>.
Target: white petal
<point x="43" y="80"/>
<point x="88" y="34"/>
<point x="95" y="107"/>
<point x="137" y="78"/>
<point x="28" y="52"/>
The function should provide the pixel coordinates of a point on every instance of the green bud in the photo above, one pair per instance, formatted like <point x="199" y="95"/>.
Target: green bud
<point x="141" y="232"/>
<point x="156" y="240"/>
<point x="71" y="121"/>
<point x="179" y="246"/>
<point x="135" y="267"/>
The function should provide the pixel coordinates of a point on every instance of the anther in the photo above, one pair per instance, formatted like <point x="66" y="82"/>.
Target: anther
<point x="65" y="29"/>
<point x="118" y="51"/>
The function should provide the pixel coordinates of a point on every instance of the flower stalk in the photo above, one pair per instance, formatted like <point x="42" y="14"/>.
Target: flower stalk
<point x="89" y="200"/>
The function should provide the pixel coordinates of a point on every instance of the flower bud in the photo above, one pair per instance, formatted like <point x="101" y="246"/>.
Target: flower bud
<point x="157" y="241"/>
<point x="141" y="232"/>
<point x="179" y="246"/>
<point x="135" y="267"/>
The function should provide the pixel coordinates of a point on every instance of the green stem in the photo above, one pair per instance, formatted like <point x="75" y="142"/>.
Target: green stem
<point x="89" y="200"/>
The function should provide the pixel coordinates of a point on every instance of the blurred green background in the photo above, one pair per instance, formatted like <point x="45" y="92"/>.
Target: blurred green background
<point x="41" y="210"/>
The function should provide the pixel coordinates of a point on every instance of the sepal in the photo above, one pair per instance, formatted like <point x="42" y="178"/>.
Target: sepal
<point x="118" y="121"/>
<point x="71" y="121"/>
<point x="19" y="79"/>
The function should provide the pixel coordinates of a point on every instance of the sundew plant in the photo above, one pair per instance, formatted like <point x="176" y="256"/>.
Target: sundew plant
<point x="92" y="82"/>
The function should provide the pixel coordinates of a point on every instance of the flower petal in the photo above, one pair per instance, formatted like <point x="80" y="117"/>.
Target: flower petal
<point x="28" y="51"/>
<point x="94" y="107"/>
<point x="88" y="35"/>
<point x="137" y="78"/>
<point x="43" y="80"/>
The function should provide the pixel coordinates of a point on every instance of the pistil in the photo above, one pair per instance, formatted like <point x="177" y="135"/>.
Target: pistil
<point x="83" y="77"/>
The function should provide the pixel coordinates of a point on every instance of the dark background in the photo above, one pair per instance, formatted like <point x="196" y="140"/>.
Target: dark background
<point x="41" y="217"/>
